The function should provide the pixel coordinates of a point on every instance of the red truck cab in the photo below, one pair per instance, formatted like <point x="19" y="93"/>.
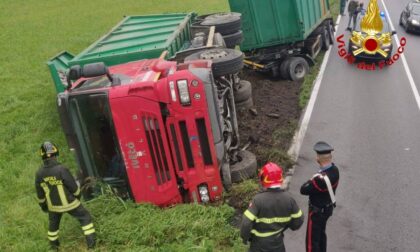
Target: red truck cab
<point x="147" y="127"/>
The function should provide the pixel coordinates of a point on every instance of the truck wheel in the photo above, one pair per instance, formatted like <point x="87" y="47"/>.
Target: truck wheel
<point x="225" y="22"/>
<point x="244" y="91"/>
<point x="233" y="39"/>
<point x="325" y="38"/>
<point x="218" y="40"/>
<point x="247" y="104"/>
<point x="226" y="177"/>
<point x="298" y="68"/>
<point x="225" y="61"/>
<point x="284" y="69"/>
<point x="244" y="169"/>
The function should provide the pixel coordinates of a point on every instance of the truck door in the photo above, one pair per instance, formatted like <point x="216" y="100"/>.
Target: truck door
<point x="143" y="141"/>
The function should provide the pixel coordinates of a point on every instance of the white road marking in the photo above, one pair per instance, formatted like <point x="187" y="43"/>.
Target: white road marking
<point x="300" y="134"/>
<point x="407" y="69"/>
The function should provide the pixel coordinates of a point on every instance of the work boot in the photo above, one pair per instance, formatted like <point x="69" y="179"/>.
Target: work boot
<point x="54" y="245"/>
<point x="90" y="241"/>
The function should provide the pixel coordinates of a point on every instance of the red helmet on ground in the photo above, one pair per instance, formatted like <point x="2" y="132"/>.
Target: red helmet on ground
<point x="271" y="175"/>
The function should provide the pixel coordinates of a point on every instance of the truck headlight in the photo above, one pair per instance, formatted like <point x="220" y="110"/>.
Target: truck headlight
<point x="184" y="95"/>
<point x="204" y="193"/>
<point x="415" y="22"/>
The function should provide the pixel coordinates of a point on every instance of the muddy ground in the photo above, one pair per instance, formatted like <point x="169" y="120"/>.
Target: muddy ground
<point x="278" y="112"/>
<point x="277" y="105"/>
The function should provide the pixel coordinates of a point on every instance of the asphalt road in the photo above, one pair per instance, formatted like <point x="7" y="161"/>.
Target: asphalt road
<point x="372" y="120"/>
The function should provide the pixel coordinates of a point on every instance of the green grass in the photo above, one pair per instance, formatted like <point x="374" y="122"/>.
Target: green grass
<point x="32" y="31"/>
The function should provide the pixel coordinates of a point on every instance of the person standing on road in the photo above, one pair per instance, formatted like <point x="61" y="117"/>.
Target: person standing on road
<point x="321" y="191"/>
<point x="270" y="213"/>
<point x="351" y="10"/>
<point x="59" y="193"/>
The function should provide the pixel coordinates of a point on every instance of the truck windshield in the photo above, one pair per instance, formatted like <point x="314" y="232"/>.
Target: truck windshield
<point x="93" y="124"/>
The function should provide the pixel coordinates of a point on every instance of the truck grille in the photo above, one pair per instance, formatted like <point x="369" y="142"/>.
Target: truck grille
<point x="156" y="149"/>
<point x="204" y="141"/>
<point x="187" y="145"/>
<point x="176" y="146"/>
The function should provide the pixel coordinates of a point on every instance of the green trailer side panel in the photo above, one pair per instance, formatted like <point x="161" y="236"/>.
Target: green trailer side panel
<point x="273" y="22"/>
<point x="58" y="66"/>
<point x="139" y="37"/>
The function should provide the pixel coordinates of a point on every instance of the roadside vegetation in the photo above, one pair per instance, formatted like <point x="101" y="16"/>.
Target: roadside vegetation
<point x="32" y="32"/>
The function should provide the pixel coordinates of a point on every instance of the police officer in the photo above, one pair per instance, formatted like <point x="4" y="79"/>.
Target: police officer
<point x="321" y="191"/>
<point x="270" y="213"/>
<point x="59" y="193"/>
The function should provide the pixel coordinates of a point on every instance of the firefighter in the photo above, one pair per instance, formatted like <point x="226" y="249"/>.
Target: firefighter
<point x="59" y="193"/>
<point x="270" y="213"/>
<point x="352" y="10"/>
<point x="321" y="191"/>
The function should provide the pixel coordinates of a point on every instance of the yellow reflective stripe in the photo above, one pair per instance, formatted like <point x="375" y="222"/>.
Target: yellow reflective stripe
<point x="41" y="200"/>
<point x="77" y="192"/>
<point x="88" y="226"/>
<point x="297" y="215"/>
<point x="67" y="208"/>
<point x="51" y="238"/>
<point x="267" y="234"/>
<point x="47" y="194"/>
<point x="90" y="231"/>
<point x="250" y="215"/>
<point x="53" y="233"/>
<point x="62" y="195"/>
<point x="274" y="220"/>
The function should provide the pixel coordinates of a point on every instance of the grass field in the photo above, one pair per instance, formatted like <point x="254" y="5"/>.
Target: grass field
<point x="32" y="31"/>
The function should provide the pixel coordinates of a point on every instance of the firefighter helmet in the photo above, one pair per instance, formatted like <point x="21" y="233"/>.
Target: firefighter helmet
<point x="271" y="175"/>
<point x="48" y="149"/>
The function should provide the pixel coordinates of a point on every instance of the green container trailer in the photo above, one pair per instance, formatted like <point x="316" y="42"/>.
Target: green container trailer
<point x="276" y="30"/>
<point x="134" y="38"/>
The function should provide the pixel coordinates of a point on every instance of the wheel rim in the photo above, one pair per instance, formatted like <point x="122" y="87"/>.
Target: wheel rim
<point x="213" y="54"/>
<point x="300" y="71"/>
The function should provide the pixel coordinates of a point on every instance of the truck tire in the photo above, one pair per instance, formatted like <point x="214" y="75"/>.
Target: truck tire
<point x="244" y="91"/>
<point x="224" y="22"/>
<point x="247" y="104"/>
<point x="226" y="177"/>
<point x="244" y="169"/>
<point x="233" y="39"/>
<point x="284" y="69"/>
<point x="325" y="38"/>
<point x="225" y="61"/>
<point x="298" y="68"/>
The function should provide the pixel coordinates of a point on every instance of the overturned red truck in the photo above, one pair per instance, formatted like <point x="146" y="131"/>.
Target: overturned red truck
<point x="156" y="130"/>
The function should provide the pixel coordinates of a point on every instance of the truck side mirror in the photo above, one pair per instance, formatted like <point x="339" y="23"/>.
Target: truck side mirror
<point x="94" y="70"/>
<point x="97" y="69"/>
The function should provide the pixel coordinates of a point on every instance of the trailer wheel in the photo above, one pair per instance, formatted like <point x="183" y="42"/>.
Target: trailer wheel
<point x="233" y="39"/>
<point x="331" y="30"/>
<point x="246" y="167"/>
<point x="225" y="61"/>
<point x="225" y="22"/>
<point x="298" y="68"/>
<point x="247" y="104"/>
<point x="284" y="69"/>
<point x="325" y="38"/>
<point x="244" y="91"/>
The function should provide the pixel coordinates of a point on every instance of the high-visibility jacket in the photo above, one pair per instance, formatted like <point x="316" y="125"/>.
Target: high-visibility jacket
<point x="269" y="214"/>
<point x="56" y="188"/>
